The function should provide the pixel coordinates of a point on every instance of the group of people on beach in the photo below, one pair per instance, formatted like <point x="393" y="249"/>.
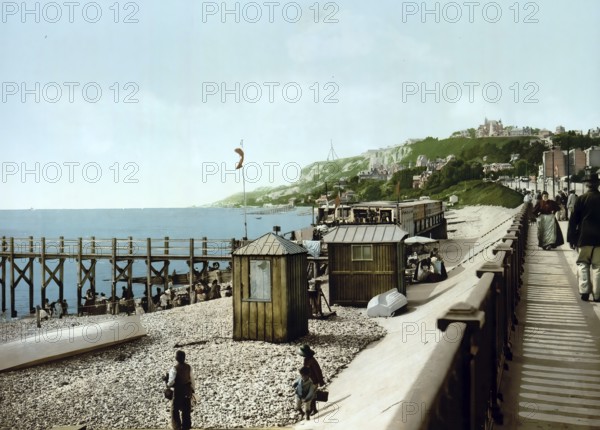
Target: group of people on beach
<point x="59" y="308"/>
<point x="583" y="232"/>
<point x="181" y="388"/>
<point x="95" y="303"/>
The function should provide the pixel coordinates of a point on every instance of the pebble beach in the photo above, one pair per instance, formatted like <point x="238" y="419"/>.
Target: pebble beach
<point x="239" y="384"/>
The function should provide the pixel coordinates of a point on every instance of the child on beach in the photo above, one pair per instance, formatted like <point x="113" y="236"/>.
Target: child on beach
<point x="305" y="391"/>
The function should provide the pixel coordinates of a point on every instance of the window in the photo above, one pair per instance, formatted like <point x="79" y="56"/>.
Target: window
<point x="260" y="280"/>
<point x="362" y="252"/>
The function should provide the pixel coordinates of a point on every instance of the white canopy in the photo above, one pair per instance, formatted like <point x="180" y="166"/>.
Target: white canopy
<point x="419" y="239"/>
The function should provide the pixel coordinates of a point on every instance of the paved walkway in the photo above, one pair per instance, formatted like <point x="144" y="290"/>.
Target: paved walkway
<point x="553" y="381"/>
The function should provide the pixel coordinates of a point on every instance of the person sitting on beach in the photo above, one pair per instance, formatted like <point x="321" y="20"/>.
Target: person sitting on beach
<point x="43" y="314"/>
<point x="89" y="297"/>
<point x="228" y="291"/>
<point x="57" y="308"/>
<point x="305" y="391"/>
<point x="156" y="298"/>
<point x="200" y="297"/>
<point x="165" y="300"/>
<point x="65" y="308"/>
<point x="215" y="290"/>
<point x="126" y="293"/>
<point x="144" y="302"/>
<point x="48" y="307"/>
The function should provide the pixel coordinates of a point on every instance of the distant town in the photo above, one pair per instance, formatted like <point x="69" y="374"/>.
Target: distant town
<point x="556" y="162"/>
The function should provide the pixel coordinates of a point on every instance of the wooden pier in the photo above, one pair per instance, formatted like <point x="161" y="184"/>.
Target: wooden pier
<point x="51" y="254"/>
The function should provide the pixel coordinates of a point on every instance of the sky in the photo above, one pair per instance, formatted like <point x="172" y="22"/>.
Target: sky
<point x="131" y="104"/>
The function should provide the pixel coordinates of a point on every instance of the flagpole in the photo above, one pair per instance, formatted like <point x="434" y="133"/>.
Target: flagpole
<point x="245" y="215"/>
<point x="244" y="189"/>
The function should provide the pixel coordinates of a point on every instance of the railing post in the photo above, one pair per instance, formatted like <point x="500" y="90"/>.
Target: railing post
<point x="3" y="274"/>
<point x="114" y="276"/>
<point x="13" y="312"/>
<point x="496" y="333"/>
<point x="191" y="263"/>
<point x="79" y="274"/>
<point x="31" y="260"/>
<point x="149" y="271"/>
<point x="61" y="271"/>
<point x="43" y="262"/>
<point x="474" y="320"/>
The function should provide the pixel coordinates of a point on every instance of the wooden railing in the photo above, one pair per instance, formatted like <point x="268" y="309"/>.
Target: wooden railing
<point x="459" y="386"/>
<point x="107" y="248"/>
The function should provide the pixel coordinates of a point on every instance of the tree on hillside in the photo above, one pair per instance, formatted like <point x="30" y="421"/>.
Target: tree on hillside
<point x="521" y="168"/>
<point x="405" y="177"/>
<point x="453" y="173"/>
<point x="371" y="191"/>
<point x="572" y="140"/>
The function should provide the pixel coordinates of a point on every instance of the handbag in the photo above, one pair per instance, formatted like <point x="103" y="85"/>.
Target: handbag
<point x="322" y="396"/>
<point x="168" y="394"/>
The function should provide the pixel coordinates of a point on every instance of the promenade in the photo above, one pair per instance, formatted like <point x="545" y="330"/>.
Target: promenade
<point x="553" y="381"/>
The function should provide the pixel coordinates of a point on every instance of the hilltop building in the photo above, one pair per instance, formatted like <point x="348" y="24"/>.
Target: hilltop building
<point x="490" y="128"/>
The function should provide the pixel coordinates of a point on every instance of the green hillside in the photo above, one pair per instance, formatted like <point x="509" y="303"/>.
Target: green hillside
<point x="328" y="175"/>
<point x="497" y="149"/>
<point x="476" y="192"/>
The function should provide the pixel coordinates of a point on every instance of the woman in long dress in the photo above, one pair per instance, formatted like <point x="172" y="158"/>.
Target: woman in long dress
<point x="549" y="233"/>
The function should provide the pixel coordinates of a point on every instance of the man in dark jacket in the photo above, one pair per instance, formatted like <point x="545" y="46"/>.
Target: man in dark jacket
<point x="584" y="233"/>
<point x="181" y="379"/>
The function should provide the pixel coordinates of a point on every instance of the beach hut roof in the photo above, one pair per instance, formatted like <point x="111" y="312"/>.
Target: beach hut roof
<point x="372" y="233"/>
<point x="270" y="244"/>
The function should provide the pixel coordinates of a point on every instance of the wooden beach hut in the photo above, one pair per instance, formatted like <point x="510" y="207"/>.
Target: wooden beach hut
<point x="364" y="261"/>
<point x="270" y="290"/>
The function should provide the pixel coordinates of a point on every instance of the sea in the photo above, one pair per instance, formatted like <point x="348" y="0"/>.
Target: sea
<point x="175" y="223"/>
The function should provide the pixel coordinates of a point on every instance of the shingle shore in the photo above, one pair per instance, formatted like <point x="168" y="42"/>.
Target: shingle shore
<point x="240" y="384"/>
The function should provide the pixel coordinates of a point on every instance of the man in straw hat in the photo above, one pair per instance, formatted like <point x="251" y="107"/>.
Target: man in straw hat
<point x="315" y="373"/>
<point x="584" y="233"/>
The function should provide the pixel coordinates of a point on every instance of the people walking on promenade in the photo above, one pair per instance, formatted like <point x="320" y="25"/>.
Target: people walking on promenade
<point x="571" y="203"/>
<point x="181" y="379"/>
<point x="549" y="233"/>
<point x="584" y="233"/>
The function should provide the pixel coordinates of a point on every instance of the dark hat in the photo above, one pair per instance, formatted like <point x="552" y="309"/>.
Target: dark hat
<point x="305" y="351"/>
<point x="592" y="178"/>
<point x="544" y="192"/>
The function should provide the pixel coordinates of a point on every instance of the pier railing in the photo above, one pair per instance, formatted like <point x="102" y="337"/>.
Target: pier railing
<point x="459" y="387"/>
<point x="30" y="247"/>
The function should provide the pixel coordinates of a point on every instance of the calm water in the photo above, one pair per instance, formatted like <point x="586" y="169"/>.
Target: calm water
<point x="213" y="223"/>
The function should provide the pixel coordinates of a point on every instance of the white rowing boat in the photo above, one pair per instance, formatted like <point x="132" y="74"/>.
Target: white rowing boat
<point x="49" y="345"/>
